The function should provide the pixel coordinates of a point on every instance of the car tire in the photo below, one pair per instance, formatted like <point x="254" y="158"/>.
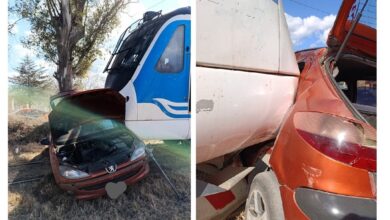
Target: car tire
<point x="264" y="201"/>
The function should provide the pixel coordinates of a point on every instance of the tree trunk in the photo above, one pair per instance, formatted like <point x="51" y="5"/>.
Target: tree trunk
<point x="64" y="74"/>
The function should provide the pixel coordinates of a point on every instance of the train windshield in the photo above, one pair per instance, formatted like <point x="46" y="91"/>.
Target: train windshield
<point x="128" y="52"/>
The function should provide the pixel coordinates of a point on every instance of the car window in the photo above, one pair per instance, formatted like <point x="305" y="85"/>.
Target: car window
<point x="366" y="92"/>
<point x="172" y="59"/>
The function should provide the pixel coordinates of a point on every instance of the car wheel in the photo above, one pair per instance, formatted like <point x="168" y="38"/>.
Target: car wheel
<point x="264" y="201"/>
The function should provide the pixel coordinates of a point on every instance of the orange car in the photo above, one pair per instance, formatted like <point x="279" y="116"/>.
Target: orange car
<point x="323" y="162"/>
<point x="90" y="146"/>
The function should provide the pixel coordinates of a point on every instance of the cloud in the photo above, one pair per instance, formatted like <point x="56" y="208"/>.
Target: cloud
<point x="325" y="34"/>
<point x="18" y="50"/>
<point x="309" y="27"/>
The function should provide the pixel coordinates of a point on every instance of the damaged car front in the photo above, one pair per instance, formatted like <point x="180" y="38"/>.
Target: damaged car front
<point x="90" y="145"/>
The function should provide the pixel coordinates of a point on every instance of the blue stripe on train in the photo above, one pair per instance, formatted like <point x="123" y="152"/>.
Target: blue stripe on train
<point x="151" y="84"/>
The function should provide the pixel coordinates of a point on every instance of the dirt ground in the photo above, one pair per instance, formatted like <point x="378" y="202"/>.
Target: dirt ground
<point x="151" y="198"/>
<point x="238" y="214"/>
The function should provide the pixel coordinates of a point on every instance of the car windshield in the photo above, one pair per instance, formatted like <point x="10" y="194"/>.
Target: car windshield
<point x="90" y="128"/>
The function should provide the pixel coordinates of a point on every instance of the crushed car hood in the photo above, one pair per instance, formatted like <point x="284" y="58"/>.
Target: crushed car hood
<point x="74" y="109"/>
<point x="363" y="38"/>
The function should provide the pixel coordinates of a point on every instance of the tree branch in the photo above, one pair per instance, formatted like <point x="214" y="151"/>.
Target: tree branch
<point x="11" y="26"/>
<point x="104" y="20"/>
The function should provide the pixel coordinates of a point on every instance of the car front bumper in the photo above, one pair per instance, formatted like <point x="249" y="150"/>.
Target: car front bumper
<point x="322" y="205"/>
<point x="91" y="188"/>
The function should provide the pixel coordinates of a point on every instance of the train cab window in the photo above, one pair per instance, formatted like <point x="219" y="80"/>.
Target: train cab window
<point x="172" y="59"/>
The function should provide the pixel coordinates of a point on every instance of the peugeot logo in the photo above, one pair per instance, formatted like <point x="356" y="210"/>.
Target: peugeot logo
<point x="111" y="168"/>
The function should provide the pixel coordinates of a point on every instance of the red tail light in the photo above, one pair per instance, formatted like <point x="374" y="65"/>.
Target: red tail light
<point x="347" y="141"/>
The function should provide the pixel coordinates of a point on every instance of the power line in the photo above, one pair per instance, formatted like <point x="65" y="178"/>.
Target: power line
<point x="311" y="7"/>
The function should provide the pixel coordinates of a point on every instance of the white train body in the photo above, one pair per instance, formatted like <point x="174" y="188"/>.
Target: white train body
<point x="246" y="73"/>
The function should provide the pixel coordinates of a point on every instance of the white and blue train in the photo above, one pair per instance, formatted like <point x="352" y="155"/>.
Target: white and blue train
<point x="150" y="67"/>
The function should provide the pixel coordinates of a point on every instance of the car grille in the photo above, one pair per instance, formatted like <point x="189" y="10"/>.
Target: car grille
<point x="115" y="180"/>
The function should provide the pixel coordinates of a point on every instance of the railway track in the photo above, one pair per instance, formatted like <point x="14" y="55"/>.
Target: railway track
<point x="28" y="163"/>
<point x="29" y="179"/>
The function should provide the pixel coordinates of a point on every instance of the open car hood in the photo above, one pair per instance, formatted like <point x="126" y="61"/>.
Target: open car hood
<point x="363" y="38"/>
<point x="73" y="109"/>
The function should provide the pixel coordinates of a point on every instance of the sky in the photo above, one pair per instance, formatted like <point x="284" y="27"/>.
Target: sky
<point x="309" y="23"/>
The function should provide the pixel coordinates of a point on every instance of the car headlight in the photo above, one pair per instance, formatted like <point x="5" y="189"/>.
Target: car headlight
<point x="139" y="150"/>
<point x="72" y="173"/>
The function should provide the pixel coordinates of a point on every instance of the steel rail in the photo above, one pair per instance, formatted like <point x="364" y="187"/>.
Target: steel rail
<point x="28" y="163"/>
<point x="18" y="181"/>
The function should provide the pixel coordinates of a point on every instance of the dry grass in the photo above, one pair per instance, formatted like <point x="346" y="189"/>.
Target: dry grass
<point x="150" y="198"/>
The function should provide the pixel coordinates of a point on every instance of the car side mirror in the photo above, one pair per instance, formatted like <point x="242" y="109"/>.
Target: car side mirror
<point x="45" y="141"/>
